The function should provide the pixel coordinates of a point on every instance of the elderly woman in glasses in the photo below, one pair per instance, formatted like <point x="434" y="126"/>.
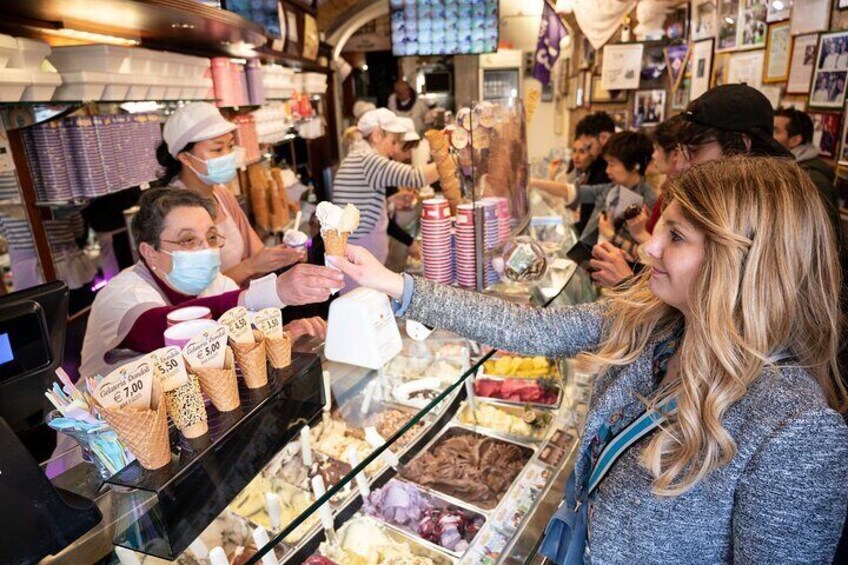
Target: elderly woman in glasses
<point x="180" y="265"/>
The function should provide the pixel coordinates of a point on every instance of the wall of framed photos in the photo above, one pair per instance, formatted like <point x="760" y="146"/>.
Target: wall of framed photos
<point x="795" y="53"/>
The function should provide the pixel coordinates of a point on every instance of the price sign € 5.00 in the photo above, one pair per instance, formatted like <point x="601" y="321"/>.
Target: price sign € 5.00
<point x="270" y="322"/>
<point x="128" y="386"/>
<point x="237" y="324"/>
<point x="207" y="349"/>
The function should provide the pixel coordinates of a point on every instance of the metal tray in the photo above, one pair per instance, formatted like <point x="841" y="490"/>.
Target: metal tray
<point x="510" y="409"/>
<point x="553" y="406"/>
<point x="453" y="429"/>
<point x="438" y="501"/>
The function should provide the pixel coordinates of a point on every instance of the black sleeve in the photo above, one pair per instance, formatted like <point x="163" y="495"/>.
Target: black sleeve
<point x="398" y="233"/>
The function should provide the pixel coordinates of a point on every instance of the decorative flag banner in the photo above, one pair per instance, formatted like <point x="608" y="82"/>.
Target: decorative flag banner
<point x="551" y="32"/>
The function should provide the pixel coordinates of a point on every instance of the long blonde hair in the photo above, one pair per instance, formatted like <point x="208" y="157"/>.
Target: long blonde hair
<point x="769" y="283"/>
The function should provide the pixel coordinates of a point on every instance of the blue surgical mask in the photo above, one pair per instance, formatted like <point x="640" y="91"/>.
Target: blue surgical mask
<point x="194" y="271"/>
<point x="219" y="170"/>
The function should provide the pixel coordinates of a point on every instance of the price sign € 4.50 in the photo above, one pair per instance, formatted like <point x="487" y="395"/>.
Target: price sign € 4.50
<point x="237" y="324"/>
<point x="207" y="349"/>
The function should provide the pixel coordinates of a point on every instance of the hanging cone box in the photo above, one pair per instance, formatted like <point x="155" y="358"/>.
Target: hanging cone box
<point x="220" y="385"/>
<point x="252" y="360"/>
<point x="143" y="431"/>
<point x="279" y="350"/>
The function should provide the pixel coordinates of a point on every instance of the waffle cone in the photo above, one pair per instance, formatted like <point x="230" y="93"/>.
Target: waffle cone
<point x="186" y="408"/>
<point x="220" y="385"/>
<point x="335" y="242"/>
<point x="251" y="358"/>
<point x="144" y="432"/>
<point x="279" y="350"/>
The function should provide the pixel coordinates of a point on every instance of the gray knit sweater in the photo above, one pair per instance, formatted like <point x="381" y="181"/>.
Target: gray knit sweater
<point x="783" y="497"/>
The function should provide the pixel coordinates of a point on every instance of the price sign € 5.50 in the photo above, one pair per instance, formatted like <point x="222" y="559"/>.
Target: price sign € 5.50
<point x="207" y="349"/>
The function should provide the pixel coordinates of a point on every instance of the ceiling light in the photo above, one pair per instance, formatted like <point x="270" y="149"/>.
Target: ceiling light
<point x="90" y="37"/>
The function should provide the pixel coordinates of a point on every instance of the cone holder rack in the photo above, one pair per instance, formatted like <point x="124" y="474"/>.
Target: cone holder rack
<point x="168" y="508"/>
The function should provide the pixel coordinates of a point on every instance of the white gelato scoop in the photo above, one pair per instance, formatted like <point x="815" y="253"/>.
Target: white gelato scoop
<point x="333" y="217"/>
<point x="295" y="238"/>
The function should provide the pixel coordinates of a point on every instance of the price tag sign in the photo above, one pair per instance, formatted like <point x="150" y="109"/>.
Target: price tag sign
<point x="169" y="368"/>
<point x="207" y="349"/>
<point x="129" y="386"/>
<point x="459" y="138"/>
<point x="487" y="115"/>
<point x="237" y="324"/>
<point x="270" y="322"/>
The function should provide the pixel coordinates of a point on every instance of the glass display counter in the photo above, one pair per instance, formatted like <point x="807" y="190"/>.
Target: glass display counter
<point x="410" y="469"/>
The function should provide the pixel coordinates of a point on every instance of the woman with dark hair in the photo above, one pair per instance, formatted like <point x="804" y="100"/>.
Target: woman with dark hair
<point x="180" y="249"/>
<point x="199" y="153"/>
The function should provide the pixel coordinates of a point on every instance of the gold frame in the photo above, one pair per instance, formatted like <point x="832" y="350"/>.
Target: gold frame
<point x="791" y="47"/>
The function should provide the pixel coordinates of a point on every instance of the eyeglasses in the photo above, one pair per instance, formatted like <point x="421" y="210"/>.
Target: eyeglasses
<point x="689" y="151"/>
<point x="192" y="243"/>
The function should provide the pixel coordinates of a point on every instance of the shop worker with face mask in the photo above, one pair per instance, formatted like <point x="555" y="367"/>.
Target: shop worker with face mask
<point x="199" y="153"/>
<point x="179" y="245"/>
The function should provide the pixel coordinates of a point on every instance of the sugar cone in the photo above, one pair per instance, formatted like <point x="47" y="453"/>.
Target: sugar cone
<point x="144" y="432"/>
<point x="279" y="350"/>
<point x="185" y="405"/>
<point x="335" y="243"/>
<point x="251" y="358"/>
<point x="220" y="385"/>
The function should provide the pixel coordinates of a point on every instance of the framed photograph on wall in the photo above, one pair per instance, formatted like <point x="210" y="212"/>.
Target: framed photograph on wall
<point x="654" y="67"/>
<point x="620" y="117"/>
<point x="728" y="18"/>
<point x="621" y="66"/>
<point x="702" y="67"/>
<point x="720" y="66"/>
<point x="779" y="11"/>
<point x="810" y="15"/>
<point x="802" y="63"/>
<point x="777" y="53"/>
<point x="602" y="96"/>
<point x="703" y="19"/>
<point x="843" y="144"/>
<point x="648" y="108"/>
<point x="752" y="24"/>
<point x="676" y="58"/>
<point x="680" y="97"/>
<point x="826" y="131"/>
<point x="830" y="75"/>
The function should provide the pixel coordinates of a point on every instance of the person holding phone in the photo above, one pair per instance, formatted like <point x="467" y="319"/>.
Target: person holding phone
<point x="715" y="429"/>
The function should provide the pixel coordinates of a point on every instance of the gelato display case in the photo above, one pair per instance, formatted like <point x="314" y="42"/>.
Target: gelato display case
<point x="449" y="453"/>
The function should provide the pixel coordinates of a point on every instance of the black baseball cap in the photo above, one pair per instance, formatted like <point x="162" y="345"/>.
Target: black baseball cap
<point x="737" y="108"/>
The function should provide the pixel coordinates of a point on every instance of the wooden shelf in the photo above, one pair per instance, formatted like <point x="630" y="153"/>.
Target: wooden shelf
<point x="270" y="55"/>
<point x="176" y="25"/>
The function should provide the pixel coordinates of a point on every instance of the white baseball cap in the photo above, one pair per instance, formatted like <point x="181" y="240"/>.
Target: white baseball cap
<point x="194" y="122"/>
<point x="411" y="134"/>
<point x="360" y="107"/>
<point x="382" y="118"/>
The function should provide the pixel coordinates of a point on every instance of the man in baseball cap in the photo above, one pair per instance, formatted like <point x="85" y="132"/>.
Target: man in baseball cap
<point x="732" y="119"/>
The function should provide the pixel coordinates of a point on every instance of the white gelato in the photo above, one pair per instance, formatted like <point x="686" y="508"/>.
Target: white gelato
<point x="295" y="238"/>
<point x="333" y="217"/>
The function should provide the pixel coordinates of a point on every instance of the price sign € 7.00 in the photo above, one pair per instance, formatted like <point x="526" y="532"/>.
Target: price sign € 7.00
<point x="128" y="386"/>
<point x="207" y="349"/>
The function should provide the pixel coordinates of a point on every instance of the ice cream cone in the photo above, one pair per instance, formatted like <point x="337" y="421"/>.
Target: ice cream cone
<point x="185" y="405"/>
<point x="144" y="432"/>
<point x="219" y="385"/>
<point x="252" y="360"/>
<point x="279" y="350"/>
<point x="335" y="242"/>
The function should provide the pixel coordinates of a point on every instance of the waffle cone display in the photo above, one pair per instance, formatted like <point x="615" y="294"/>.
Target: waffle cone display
<point x="219" y="385"/>
<point x="446" y="167"/>
<point x="144" y="432"/>
<point x="252" y="360"/>
<point x="186" y="408"/>
<point x="279" y="350"/>
<point x="335" y="242"/>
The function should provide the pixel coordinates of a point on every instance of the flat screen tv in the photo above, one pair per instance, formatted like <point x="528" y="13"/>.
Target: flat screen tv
<point x="444" y="27"/>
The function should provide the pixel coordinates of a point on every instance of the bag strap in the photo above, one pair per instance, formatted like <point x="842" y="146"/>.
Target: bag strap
<point x="639" y="428"/>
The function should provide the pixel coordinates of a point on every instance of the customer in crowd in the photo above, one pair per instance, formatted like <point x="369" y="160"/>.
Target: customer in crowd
<point x="724" y="349"/>
<point x="405" y="102"/>
<point x="352" y="137"/>
<point x="402" y="199"/>
<point x="793" y="129"/>
<point x="728" y="120"/>
<point x="364" y="175"/>
<point x="590" y="136"/>
<point x="180" y="248"/>
<point x="199" y="153"/>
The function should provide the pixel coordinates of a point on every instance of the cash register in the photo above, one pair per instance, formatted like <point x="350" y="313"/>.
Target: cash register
<point x="39" y="520"/>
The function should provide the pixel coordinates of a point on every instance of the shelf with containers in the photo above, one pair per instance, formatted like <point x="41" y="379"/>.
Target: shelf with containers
<point x="526" y="413"/>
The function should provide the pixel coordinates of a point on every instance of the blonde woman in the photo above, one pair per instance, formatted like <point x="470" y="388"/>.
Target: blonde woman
<point x="724" y="348"/>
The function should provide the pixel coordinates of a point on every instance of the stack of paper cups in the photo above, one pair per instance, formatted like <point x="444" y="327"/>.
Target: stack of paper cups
<point x="437" y="241"/>
<point x="504" y="229"/>
<point x="239" y="79"/>
<point x="490" y="237"/>
<point x="222" y="80"/>
<point x="466" y="258"/>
